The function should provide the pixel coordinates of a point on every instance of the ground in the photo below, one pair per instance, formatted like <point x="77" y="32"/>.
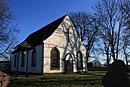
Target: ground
<point x="89" y="79"/>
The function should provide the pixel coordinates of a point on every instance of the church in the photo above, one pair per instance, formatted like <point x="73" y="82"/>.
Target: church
<point x="55" y="48"/>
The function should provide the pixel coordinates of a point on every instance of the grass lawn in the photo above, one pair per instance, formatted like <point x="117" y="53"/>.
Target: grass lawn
<point x="90" y="79"/>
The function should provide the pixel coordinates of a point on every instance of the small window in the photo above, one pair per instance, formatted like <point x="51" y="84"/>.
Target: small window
<point x="79" y="60"/>
<point x="55" y="58"/>
<point x="34" y="56"/>
<point x="15" y="59"/>
<point x="23" y="59"/>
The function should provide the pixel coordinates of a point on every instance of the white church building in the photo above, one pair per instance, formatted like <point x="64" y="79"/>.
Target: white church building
<point x="55" y="48"/>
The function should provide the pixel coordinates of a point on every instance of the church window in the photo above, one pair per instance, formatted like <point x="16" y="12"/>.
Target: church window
<point x="15" y="59"/>
<point x="79" y="60"/>
<point x="23" y="59"/>
<point x="55" y="58"/>
<point x="34" y="56"/>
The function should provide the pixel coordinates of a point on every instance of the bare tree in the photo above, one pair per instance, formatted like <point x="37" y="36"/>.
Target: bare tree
<point x="7" y="31"/>
<point x="103" y="47"/>
<point x="112" y="24"/>
<point x="126" y="48"/>
<point x="125" y="8"/>
<point x="87" y="27"/>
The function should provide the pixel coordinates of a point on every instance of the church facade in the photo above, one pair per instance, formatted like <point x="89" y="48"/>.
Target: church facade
<point x="55" y="48"/>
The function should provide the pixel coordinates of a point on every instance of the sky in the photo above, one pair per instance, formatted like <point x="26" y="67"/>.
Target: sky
<point x="32" y="15"/>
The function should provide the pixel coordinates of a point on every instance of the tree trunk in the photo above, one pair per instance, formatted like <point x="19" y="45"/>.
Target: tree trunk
<point x="118" y="37"/>
<point x="126" y="59"/>
<point x="107" y="54"/>
<point x="113" y="53"/>
<point x="124" y="50"/>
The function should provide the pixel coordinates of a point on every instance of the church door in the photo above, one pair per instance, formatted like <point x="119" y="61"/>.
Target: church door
<point x="68" y="63"/>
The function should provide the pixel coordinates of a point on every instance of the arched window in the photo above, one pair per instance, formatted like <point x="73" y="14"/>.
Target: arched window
<point x="55" y="58"/>
<point x="34" y="56"/>
<point x="79" y="60"/>
<point x="23" y="59"/>
<point x="15" y="59"/>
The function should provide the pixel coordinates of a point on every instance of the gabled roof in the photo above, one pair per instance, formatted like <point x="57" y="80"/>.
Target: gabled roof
<point x="43" y="33"/>
<point x="40" y="35"/>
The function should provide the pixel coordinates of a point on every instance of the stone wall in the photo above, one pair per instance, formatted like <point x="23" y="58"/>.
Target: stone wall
<point x="4" y="79"/>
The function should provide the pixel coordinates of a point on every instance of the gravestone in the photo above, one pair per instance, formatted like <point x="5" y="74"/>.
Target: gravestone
<point x="118" y="75"/>
<point x="4" y="79"/>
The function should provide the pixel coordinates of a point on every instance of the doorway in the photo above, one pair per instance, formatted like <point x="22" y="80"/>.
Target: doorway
<point x="68" y="63"/>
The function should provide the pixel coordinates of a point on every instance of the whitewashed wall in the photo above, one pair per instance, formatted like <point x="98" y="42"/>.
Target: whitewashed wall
<point x="39" y="61"/>
<point x="12" y="62"/>
<point x="59" y="39"/>
<point x="20" y="68"/>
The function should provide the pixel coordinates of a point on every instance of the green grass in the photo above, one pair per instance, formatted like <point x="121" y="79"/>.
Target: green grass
<point x="89" y="79"/>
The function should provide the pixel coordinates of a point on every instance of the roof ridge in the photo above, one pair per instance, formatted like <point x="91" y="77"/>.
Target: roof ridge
<point x="43" y="33"/>
<point x="62" y="17"/>
<point x="40" y="35"/>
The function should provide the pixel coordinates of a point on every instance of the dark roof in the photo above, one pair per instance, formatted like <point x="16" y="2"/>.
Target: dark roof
<point x="40" y="35"/>
<point x="43" y="33"/>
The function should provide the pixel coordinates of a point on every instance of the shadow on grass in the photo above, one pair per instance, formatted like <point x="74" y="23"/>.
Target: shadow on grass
<point x="58" y="80"/>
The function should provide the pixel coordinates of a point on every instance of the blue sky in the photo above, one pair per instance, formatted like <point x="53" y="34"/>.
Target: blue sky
<point x="32" y="15"/>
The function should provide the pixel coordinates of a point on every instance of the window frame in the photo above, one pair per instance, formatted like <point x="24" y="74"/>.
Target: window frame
<point x="81" y="60"/>
<point x="52" y="65"/>
<point x="34" y="57"/>
<point x="15" y="60"/>
<point x="23" y="59"/>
